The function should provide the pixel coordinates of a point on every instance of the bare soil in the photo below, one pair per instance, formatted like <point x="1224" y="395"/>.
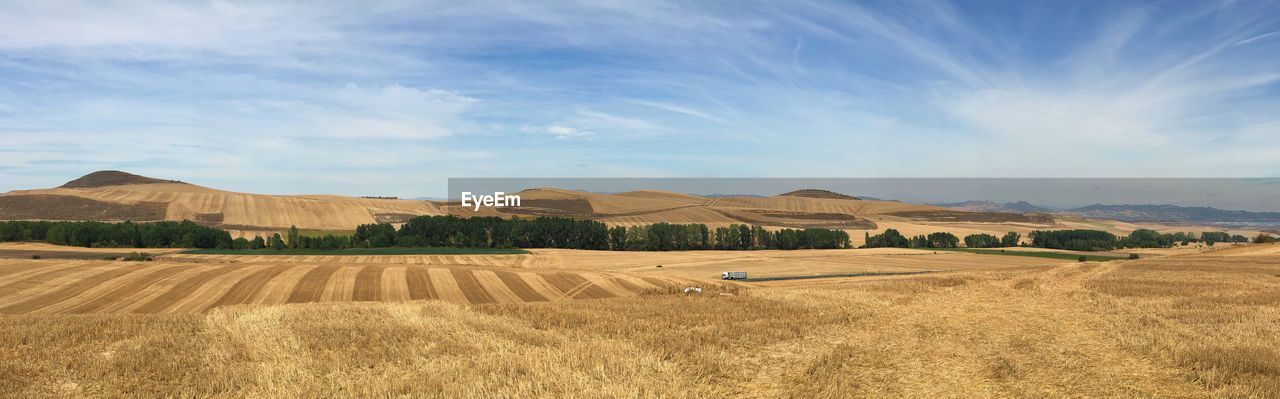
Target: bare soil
<point x="67" y="207"/>
<point x="982" y="217"/>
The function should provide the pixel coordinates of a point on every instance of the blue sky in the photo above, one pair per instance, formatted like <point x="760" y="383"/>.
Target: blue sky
<point x="393" y="97"/>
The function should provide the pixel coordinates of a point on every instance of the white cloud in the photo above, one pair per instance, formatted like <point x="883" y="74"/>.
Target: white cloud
<point x="565" y="132"/>
<point x="680" y="110"/>
<point x="560" y="131"/>
<point x="917" y="89"/>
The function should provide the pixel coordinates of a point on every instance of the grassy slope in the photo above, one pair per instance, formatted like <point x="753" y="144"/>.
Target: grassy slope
<point x="364" y="251"/>
<point x="1145" y="328"/>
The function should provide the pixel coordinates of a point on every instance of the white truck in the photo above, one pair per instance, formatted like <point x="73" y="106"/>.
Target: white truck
<point x="733" y="276"/>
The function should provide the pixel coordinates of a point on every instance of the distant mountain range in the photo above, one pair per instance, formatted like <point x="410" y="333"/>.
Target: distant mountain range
<point x="989" y="206"/>
<point x="1175" y="214"/>
<point x="1168" y="214"/>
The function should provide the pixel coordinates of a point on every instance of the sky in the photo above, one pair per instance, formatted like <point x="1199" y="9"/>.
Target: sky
<point x="395" y="97"/>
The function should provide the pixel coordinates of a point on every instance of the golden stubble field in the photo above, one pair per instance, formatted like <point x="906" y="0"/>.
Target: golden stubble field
<point x="1195" y="325"/>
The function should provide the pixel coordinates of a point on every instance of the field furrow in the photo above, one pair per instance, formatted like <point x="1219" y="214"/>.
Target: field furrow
<point x="626" y="284"/>
<point x="471" y="287"/>
<point x="519" y="286"/>
<point x="340" y="284"/>
<point x="419" y="283"/>
<point x="200" y="283"/>
<point x="543" y="287"/>
<point x="607" y="284"/>
<point x="125" y="291"/>
<point x="244" y="289"/>
<point x="496" y="287"/>
<point x="394" y="286"/>
<point x="128" y="303"/>
<point x="446" y="286"/>
<point x="311" y="287"/>
<point x="58" y="295"/>
<point x="183" y="289"/>
<point x="279" y="288"/>
<point x="368" y="284"/>
<point x="33" y="275"/>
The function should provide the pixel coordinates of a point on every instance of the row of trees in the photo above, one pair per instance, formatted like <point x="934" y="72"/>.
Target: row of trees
<point x="891" y="238"/>
<point x="554" y="232"/>
<point x="1075" y="240"/>
<point x="677" y="237"/>
<point x="1010" y="239"/>
<point x="1094" y="240"/>
<point x="184" y="234"/>
<point x="1078" y="240"/>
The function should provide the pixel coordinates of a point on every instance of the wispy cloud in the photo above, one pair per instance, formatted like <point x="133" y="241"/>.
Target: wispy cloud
<point x="930" y="88"/>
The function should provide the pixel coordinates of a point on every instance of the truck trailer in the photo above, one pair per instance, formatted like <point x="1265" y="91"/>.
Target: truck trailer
<point x="733" y="276"/>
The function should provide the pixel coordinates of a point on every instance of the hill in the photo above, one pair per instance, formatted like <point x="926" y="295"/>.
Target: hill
<point x="816" y="193"/>
<point x="990" y="206"/>
<point x="1174" y="214"/>
<point x="105" y="178"/>
<point x="116" y="196"/>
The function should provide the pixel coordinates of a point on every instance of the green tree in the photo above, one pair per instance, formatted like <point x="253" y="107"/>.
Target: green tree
<point x="981" y="241"/>
<point x="1011" y="239"/>
<point x="275" y="242"/>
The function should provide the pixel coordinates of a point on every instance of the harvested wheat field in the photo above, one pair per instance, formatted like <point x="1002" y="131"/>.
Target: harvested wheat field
<point x="93" y="286"/>
<point x="1179" y="326"/>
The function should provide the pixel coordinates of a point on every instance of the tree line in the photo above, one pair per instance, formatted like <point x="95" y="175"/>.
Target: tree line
<point x="1077" y="240"/>
<point x="892" y="238"/>
<point x="1094" y="240"/>
<point x="556" y="232"/>
<point x="167" y="234"/>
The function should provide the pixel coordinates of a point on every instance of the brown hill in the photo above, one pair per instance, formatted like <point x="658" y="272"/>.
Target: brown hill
<point x="105" y="178"/>
<point x="816" y="193"/>
<point x="114" y="196"/>
<point x="117" y="196"/>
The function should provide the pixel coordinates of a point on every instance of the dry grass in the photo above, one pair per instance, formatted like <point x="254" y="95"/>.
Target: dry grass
<point x="1188" y="326"/>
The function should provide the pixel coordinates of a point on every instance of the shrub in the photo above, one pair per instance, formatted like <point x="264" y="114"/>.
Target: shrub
<point x="138" y="257"/>
<point x="1082" y="259"/>
<point x="35" y="256"/>
<point x="1133" y="256"/>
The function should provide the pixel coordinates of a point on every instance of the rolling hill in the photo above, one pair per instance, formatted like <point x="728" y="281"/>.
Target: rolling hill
<point x="118" y="196"/>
